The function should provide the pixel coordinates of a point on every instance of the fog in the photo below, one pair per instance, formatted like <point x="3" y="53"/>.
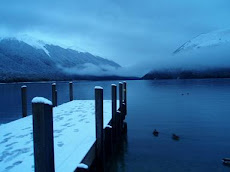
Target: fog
<point x="208" y="57"/>
<point x="139" y="35"/>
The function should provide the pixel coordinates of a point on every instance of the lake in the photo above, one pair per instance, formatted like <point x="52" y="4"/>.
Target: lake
<point x="196" y="110"/>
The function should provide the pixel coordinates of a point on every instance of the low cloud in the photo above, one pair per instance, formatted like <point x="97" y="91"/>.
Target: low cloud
<point x="106" y="70"/>
<point x="201" y="59"/>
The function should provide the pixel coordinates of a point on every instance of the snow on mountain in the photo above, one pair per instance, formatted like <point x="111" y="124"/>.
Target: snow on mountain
<point x="33" y="42"/>
<point x="205" y="56"/>
<point x="25" y="58"/>
<point x="211" y="39"/>
<point x="30" y="41"/>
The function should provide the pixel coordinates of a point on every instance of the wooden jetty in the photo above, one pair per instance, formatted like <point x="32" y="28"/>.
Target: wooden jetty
<point x="76" y="136"/>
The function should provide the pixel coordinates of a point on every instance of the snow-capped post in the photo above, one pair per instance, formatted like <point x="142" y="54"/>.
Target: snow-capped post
<point x="42" y="110"/>
<point x="24" y="100"/>
<point x="114" y="110"/>
<point x="71" y="91"/>
<point x="54" y="94"/>
<point x="99" y="128"/>
<point x="120" y="95"/>
<point x="125" y="96"/>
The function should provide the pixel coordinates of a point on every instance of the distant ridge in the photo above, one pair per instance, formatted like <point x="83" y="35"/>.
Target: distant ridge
<point x="188" y="74"/>
<point x="205" y="56"/>
<point x="36" y="60"/>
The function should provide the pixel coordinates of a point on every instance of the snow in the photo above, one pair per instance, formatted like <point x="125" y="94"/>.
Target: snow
<point x="98" y="87"/>
<point x="210" y="39"/>
<point x="33" y="42"/>
<point x="74" y="134"/>
<point x="81" y="165"/>
<point x="41" y="100"/>
<point x="38" y="44"/>
<point x="113" y="84"/>
<point x="108" y="126"/>
<point x="24" y="86"/>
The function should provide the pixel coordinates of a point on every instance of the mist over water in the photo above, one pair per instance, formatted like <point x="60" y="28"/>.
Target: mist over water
<point x="200" y="59"/>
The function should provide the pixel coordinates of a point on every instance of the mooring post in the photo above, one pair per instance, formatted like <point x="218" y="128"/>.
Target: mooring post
<point x="43" y="135"/>
<point x="125" y="96"/>
<point x="119" y="124"/>
<point x="120" y="95"/>
<point x="120" y="113"/>
<point x="82" y="168"/>
<point x="99" y="128"/>
<point x="71" y="91"/>
<point x="114" y="111"/>
<point x="24" y="100"/>
<point x="125" y="127"/>
<point x="108" y="142"/>
<point x="54" y="100"/>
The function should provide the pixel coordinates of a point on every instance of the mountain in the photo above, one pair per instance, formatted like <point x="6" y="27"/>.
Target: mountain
<point x="188" y="74"/>
<point x="206" y="40"/>
<point x="28" y="59"/>
<point x="205" y="56"/>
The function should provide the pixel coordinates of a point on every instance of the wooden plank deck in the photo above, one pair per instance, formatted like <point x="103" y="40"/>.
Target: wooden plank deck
<point x="74" y="135"/>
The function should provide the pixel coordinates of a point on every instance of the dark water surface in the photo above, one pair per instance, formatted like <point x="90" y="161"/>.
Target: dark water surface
<point x="201" y="118"/>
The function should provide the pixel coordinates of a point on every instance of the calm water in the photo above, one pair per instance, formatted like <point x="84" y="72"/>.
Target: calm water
<point x="201" y="118"/>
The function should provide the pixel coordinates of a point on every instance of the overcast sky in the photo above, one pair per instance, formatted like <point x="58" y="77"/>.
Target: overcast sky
<point x="126" y="31"/>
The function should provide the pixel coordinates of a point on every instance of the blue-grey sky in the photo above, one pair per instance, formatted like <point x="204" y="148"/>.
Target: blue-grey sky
<point x="126" y="31"/>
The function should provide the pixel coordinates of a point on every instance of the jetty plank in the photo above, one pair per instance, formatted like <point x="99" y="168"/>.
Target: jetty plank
<point x="74" y="135"/>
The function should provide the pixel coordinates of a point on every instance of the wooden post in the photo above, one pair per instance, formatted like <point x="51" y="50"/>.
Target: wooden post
<point x="99" y="128"/>
<point x="108" y="142"/>
<point x="54" y="94"/>
<point x="125" y="127"/>
<point x="119" y="123"/>
<point x="71" y="91"/>
<point x="24" y="100"/>
<point x="43" y="135"/>
<point x="81" y="169"/>
<point x="56" y="100"/>
<point x="125" y="96"/>
<point x="120" y="95"/>
<point x="114" y="111"/>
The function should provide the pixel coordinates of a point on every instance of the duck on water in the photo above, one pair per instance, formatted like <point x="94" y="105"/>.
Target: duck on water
<point x="155" y="133"/>
<point x="226" y="161"/>
<point x="175" y="137"/>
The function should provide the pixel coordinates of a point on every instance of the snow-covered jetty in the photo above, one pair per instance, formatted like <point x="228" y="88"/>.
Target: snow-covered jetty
<point x="69" y="137"/>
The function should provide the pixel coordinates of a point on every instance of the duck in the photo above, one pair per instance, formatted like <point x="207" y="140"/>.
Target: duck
<point x="175" y="137"/>
<point x="155" y="132"/>
<point x="226" y="161"/>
